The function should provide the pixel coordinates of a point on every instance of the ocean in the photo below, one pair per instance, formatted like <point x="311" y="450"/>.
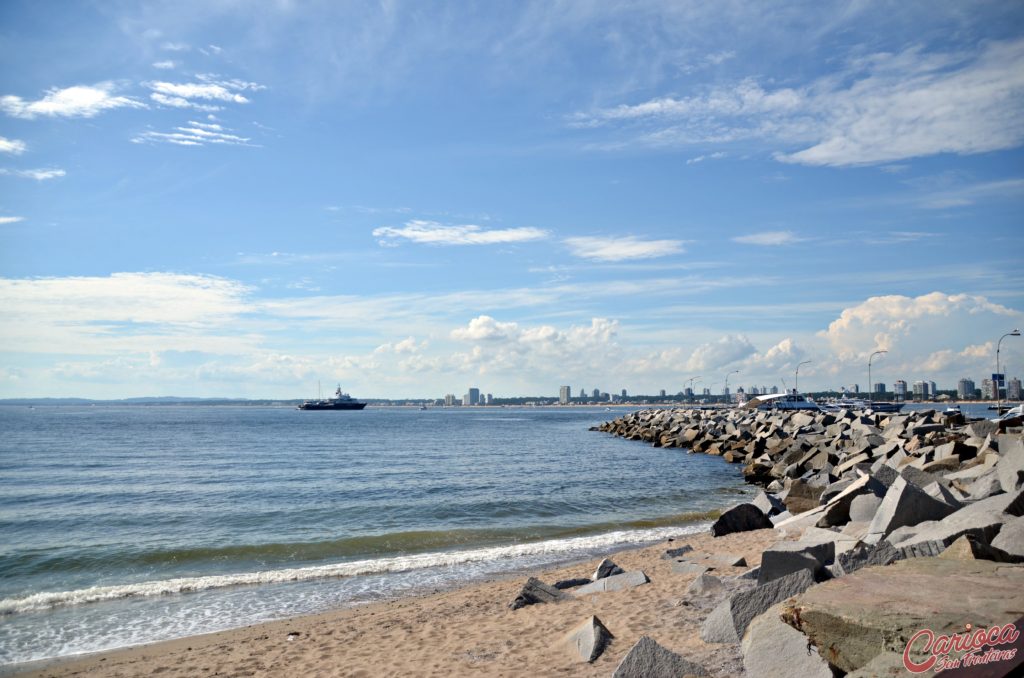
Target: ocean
<point x="129" y="525"/>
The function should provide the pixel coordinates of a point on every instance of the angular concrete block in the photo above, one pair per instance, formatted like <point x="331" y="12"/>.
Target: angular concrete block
<point x="588" y="640"/>
<point x="647" y="659"/>
<point x="618" y="582"/>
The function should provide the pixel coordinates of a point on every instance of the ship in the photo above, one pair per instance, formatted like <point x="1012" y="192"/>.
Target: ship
<point x="340" y="401"/>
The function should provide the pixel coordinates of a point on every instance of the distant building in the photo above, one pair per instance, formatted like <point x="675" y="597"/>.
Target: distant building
<point x="662" y="394"/>
<point x="965" y="388"/>
<point x="603" y="395"/>
<point x="933" y="389"/>
<point x="1013" y="389"/>
<point x="688" y="392"/>
<point x="490" y="399"/>
<point x="583" y="394"/>
<point x="921" y="391"/>
<point x="855" y="388"/>
<point x="596" y="393"/>
<point x="564" y="395"/>
<point x="623" y="394"/>
<point x="775" y="389"/>
<point x="900" y="389"/>
<point x="449" y="400"/>
<point x="725" y="392"/>
<point x="471" y="398"/>
<point x="988" y="389"/>
<point x="707" y="391"/>
<point x="878" y="388"/>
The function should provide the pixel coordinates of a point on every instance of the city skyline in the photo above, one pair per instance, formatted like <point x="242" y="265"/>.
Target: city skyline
<point x="218" y="199"/>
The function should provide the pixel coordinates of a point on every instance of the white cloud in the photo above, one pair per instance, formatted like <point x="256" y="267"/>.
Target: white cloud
<point x="178" y="102"/>
<point x="718" y="354"/>
<point x="433" y="233"/>
<point x="485" y="328"/>
<point x="769" y="238"/>
<point x="175" y="47"/>
<point x="701" y="158"/>
<point x="878" y="109"/>
<point x="79" y="101"/>
<point x="165" y="65"/>
<point x="11" y="220"/>
<point x="622" y="248"/>
<point x="37" y="174"/>
<point x="12" y="146"/>
<point x="193" y="90"/>
<point x="195" y="134"/>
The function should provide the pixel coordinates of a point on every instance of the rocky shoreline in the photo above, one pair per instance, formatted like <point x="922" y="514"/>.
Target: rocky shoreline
<point x="897" y="535"/>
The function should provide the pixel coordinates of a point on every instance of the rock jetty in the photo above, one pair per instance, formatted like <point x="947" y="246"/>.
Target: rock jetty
<point x="887" y="524"/>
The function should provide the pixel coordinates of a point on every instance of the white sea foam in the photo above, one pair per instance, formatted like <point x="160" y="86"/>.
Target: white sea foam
<point x="49" y="600"/>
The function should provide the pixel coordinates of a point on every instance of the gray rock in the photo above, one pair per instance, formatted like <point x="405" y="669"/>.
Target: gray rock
<point x="683" y="567"/>
<point x="606" y="569"/>
<point x="983" y="428"/>
<point x="1011" y="462"/>
<point x="772" y="648"/>
<point x="863" y="507"/>
<point x="588" y="640"/>
<point x="853" y="619"/>
<point x="647" y="659"/>
<point x="741" y="518"/>
<point x="1011" y="537"/>
<point x="904" y="504"/>
<point x="769" y="504"/>
<point x="713" y="560"/>
<point x="788" y="556"/>
<point x="705" y="584"/>
<point x="969" y="547"/>
<point x="728" y="621"/>
<point x="535" y="591"/>
<point x="865" y="555"/>
<point x="943" y="494"/>
<point x="676" y="552"/>
<point x="618" y="582"/>
<point x="571" y="583"/>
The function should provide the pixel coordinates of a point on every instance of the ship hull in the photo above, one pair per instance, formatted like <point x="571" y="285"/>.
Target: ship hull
<point x="332" y="406"/>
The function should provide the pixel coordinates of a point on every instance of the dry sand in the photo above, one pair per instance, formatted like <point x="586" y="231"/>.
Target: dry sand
<point x="467" y="631"/>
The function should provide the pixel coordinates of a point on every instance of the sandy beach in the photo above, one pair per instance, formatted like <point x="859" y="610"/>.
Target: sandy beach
<point x="465" y="631"/>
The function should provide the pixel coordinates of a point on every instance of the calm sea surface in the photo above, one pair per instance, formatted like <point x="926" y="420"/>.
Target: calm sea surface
<point x="125" y="525"/>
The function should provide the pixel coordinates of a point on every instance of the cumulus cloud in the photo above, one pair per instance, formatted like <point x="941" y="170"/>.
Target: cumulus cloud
<point x="622" y="248"/>
<point x="12" y="146"/>
<point x="433" y="233"/>
<point x="37" y="174"/>
<point x="11" y="220"/>
<point x="720" y="353"/>
<point x="876" y="109"/>
<point x="81" y="101"/>
<point x="486" y="328"/>
<point x="769" y="238"/>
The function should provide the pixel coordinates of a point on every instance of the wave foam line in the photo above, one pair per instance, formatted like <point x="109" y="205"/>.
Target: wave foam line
<point x="96" y="594"/>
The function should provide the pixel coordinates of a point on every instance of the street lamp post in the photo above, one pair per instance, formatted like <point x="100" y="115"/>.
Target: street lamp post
<point x="998" y="378"/>
<point x="871" y="386"/>
<point x="727" y="399"/>
<point x="796" y="377"/>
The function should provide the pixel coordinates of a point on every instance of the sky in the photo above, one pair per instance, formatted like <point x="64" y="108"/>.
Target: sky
<point x="243" y="199"/>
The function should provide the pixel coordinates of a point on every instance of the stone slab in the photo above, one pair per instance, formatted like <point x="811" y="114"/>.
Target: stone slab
<point x="587" y="641"/>
<point x="618" y="582"/>
<point x="772" y="648"/>
<point x="648" y="659"/>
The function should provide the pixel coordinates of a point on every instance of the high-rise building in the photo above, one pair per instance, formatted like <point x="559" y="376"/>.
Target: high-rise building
<point x="449" y="400"/>
<point x="899" y="388"/>
<point x="879" y="388"/>
<point x="775" y="390"/>
<point x="471" y="398"/>
<point x="662" y="394"/>
<point x="707" y="391"/>
<point x="564" y="395"/>
<point x="965" y="388"/>
<point x="988" y="389"/>
<point x="490" y="399"/>
<point x="623" y="394"/>
<point x="933" y="390"/>
<point x="921" y="391"/>
<point x="596" y="393"/>
<point x="583" y="394"/>
<point x="1013" y="389"/>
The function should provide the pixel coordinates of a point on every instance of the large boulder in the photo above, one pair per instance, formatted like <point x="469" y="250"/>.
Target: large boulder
<point x="647" y="659"/>
<point x="1011" y="462"/>
<point x="535" y="591"/>
<point x="618" y="582"/>
<point x="876" y="610"/>
<point x="588" y="640"/>
<point x="904" y="504"/>
<point x="772" y="648"/>
<point x="787" y="557"/>
<point x="741" y="518"/>
<point x="1011" y="537"/>
<point x="728" y="622"/>
<point x="705" y="584"/>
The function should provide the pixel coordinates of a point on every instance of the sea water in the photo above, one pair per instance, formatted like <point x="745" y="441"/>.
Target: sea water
<point x="127" y="525"/>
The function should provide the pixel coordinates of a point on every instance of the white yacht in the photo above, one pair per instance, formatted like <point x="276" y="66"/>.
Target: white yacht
<point x="782" y="401"/>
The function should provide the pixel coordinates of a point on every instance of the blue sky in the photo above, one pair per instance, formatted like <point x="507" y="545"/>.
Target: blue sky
<point x="411" y="198"/>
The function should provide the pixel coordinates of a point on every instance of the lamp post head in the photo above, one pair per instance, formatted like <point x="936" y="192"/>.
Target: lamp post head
<point x="1015" y="333"/>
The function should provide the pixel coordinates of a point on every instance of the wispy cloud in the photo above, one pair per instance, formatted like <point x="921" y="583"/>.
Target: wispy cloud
<point x="702" y="158"/>
<point x="12" y="146"/>
<point x="433" y="233"/>
<point x="877" y="109"/>
<point x="165" y="65"/>
<point x="622" y="248"/>
<point x="184" y="95"/>
<point x="37" y="174"/>
<point x="79" y="101"/>
<point x="195" y="134"/>
<point x="769" y="238"/>
<point x="962" y="196"/>
<point x="11" y="220"/>
<point x="175" y="47"/>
